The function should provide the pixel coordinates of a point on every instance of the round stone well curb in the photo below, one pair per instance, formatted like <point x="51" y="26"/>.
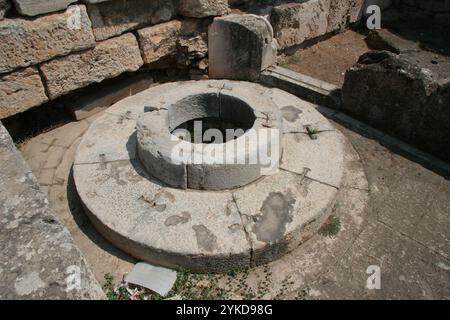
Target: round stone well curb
<point x="207" y="230"/>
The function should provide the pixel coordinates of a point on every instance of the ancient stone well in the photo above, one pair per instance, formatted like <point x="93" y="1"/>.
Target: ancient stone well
<point x="210" y="216"/>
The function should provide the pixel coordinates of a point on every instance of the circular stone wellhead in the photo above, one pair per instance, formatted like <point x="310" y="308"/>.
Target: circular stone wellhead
<point x="227" y="163"/>
<point x="140" y="181"/>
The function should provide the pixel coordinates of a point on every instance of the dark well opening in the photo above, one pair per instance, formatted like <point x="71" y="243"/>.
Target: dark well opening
<point x="197" y="114"/>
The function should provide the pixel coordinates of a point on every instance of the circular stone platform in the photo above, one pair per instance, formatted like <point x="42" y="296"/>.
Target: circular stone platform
<point x="142" y="203"/>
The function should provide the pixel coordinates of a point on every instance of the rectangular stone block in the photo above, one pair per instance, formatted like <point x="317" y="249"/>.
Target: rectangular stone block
<point x="159" y="41"/>
<point x="28" y="42"/>
<point x="34" y="8"/>
<point x="20" y="91"/>
<point x="115" y="17"/>
<point x="202" y="8"/>
<point x="294" y="23"/>
<point x="344" y="12"/>
<point x="107" y="60"/>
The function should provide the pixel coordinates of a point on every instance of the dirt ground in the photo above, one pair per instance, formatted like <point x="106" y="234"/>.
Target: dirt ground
<point x="329" y="59"/>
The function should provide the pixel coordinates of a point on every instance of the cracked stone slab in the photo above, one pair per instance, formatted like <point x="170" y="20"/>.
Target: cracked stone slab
<point x="171" y="227"/>
<point x="110" y="138"/>
<point x="322" y="154"/>
<point x="282" y="211"/>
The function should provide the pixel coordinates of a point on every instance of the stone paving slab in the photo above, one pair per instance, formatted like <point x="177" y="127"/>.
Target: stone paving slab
<point x="322" y="156"/>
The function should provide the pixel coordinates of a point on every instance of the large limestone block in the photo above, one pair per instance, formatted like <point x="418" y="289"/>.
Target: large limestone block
<point x="34" y="8"/>
<point x="159" y="41"/>
<point x="4" y="8"/>
<point x="20" y="91"/>
<point x="202" y="8"/>
<point x="166" y="39"/>
<point x="405" y="95"/>
<point x="344" y="12"/>
<point x="240" y="46"/>
<point x="295" y="23"/>
<point x="28" y="42"/>
<point x="107" y="60"/>
<point x="115" y="17"/>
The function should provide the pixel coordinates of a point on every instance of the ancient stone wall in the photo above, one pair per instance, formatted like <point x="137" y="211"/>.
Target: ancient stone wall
<point x="50" y="48"/>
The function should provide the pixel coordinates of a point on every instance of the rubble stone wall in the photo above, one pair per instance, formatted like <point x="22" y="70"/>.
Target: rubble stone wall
<point x="50" y="48"/>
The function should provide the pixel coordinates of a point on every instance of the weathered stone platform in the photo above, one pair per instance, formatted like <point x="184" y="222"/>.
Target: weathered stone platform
<point x="205" y="230"/>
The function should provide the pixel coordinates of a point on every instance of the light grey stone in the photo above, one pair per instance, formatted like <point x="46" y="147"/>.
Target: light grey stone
<point x="202" y="8"/>
<point x="42" y="38"/>
<point x="157" y="279"/>
<point x="38" y="255"/>
<point x="240" y="46"/>
<point x="112" y="137"/>
<point x="293" y="23"/>
<point x="322" y="156"/>
<point x="282" y="211"/>
<point x="34" y="8"/>
<point x="20" y="91"/>
<point x="115" y="17"/>
<point x="298" y="115"/>
<point x="160" y="40"/>
<point x="107" y="60"/>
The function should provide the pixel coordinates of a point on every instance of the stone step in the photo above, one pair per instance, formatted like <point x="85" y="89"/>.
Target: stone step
<point x="305" y="87"/>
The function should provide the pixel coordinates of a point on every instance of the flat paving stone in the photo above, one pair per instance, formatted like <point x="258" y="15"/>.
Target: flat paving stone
<point x="321" y="157"/>
<point x="282" y="211"/>
<point x="298" y="115"/>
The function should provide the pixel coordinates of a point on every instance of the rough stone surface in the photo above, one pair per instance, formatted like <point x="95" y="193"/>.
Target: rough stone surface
<point x="107" y="60"/>
<point x="200" y="100"/>
<point x="182" y="41"/>
<point x="293" y="23"/>
<point x="405" y="94"/>
<point x="341" y="13"/>
<point x="34" y="8"/>
<point x="41" y="39"/>
<point x="38" y="258"/>
<point x="20" y="91"/>
<point x="115" y="17"/>
<point x="282" y="211"/>
<point x="240" y="46"/>
<point x="383" y="39"/>
<point x="303" y="86"/>
<point x="202" y="8"/>
<point x="5" y="5"/>
<point x="159" y="41"/>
